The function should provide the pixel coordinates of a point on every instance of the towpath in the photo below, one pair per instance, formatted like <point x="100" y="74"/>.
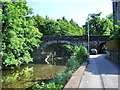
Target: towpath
<point x="101" y="73"/>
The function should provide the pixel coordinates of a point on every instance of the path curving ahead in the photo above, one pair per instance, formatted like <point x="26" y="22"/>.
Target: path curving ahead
<point x="101" y="73"/>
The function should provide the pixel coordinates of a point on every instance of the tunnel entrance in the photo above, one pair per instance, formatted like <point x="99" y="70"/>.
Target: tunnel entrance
<point x="102" y="48"/>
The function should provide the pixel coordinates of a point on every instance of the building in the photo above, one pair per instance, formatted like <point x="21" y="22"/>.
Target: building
<point x="116" y="12"/>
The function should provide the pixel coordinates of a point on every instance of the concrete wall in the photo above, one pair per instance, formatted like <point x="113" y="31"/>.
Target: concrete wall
<point x="113" y="55"/>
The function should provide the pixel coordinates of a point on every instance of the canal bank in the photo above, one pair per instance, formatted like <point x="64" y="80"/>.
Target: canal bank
<point x="75" y="80"/>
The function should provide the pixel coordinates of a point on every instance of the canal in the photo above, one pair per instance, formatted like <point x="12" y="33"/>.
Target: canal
<point x="51" y="63"/>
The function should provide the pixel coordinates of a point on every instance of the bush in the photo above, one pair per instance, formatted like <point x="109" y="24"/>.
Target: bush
<point x="73" y="63"/>
<point x="50" y="85"/>
<point x="78" y="57"/>
<point x="61" y="78"/>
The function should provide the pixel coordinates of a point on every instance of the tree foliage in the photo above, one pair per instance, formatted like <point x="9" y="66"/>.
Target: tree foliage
<point x="99" y="26"/>
<point x="19" y="34"/>
<point x="60" y="27"/>
<point x="110" y="17"/>
<point x="70" y="28"/>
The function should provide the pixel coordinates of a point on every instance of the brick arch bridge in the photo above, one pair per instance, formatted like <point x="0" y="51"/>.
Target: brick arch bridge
<point x="95" y="41"/>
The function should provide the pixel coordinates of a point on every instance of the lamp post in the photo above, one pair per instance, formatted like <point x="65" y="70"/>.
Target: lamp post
<point x="88" y="35"/>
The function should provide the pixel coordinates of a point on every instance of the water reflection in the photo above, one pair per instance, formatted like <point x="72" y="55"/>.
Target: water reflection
<point x="29" y="75"/>
<point x="55" y="54"/>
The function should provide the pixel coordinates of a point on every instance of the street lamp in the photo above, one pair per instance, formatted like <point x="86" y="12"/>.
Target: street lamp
<point x="88" y="34"/>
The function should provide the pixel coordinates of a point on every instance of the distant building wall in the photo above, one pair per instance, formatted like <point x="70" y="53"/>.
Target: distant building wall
<point x="116" y="11"/>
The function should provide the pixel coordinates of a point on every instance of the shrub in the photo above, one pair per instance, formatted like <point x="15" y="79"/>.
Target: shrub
<point x="49" y="85"/>
<point x="78" y="57"/>
<point x="61" y="78"/>
<point x="73" y="63"/>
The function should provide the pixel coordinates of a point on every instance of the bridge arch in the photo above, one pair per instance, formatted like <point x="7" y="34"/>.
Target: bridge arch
<point x="54" y="53"/>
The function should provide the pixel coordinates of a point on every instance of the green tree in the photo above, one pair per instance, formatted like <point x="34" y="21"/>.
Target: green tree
<point x="73" y="22"/>
<point x="110" y="17"/>
<point x="46" y="26"/>
<point x="39" y="22"/>
<point x="64" y="19"/>
<point x="107" y="27"/>
<point x="116" y="29"/>
<point x="20" y="37"/>
<point x="69" y="28"/>
<point x="59" y="27"/>
<point x="99" y="26"/>
<point x="51" y="27"/>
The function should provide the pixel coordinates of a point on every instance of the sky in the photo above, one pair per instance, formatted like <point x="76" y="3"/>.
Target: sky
<point x="77" y="10"/>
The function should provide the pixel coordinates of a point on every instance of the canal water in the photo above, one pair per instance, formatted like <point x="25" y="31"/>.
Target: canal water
<point x="40" y="71"/>
<point x="29" y="75"/>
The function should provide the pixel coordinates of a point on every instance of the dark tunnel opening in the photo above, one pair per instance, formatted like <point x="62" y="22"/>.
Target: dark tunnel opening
<point x="102" y="48"/>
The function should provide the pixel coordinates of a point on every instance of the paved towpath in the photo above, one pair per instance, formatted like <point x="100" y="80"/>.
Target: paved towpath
<point x="101" y="73"/>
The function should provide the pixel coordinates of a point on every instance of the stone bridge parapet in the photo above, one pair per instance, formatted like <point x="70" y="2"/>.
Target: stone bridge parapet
<point x="76" y="38"/>
<point x="95" y="41"/>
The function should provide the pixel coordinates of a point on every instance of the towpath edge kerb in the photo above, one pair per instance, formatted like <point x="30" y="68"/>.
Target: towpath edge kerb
<point x="75" y="80"/>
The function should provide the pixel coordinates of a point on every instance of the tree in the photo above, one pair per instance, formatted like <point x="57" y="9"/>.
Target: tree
<point x="20" y="37"/>
<point x="59" y="27"/>
<point x="39" y="22"/>
<point x="51" y="27"/>
<point x="110" y="17"/>
<point x="116" y="28"/>
<point x="64" y="19"/>
<point x="70" y="28"/>
<point x="99" y="26"/>
<point x="73" y="22"/>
